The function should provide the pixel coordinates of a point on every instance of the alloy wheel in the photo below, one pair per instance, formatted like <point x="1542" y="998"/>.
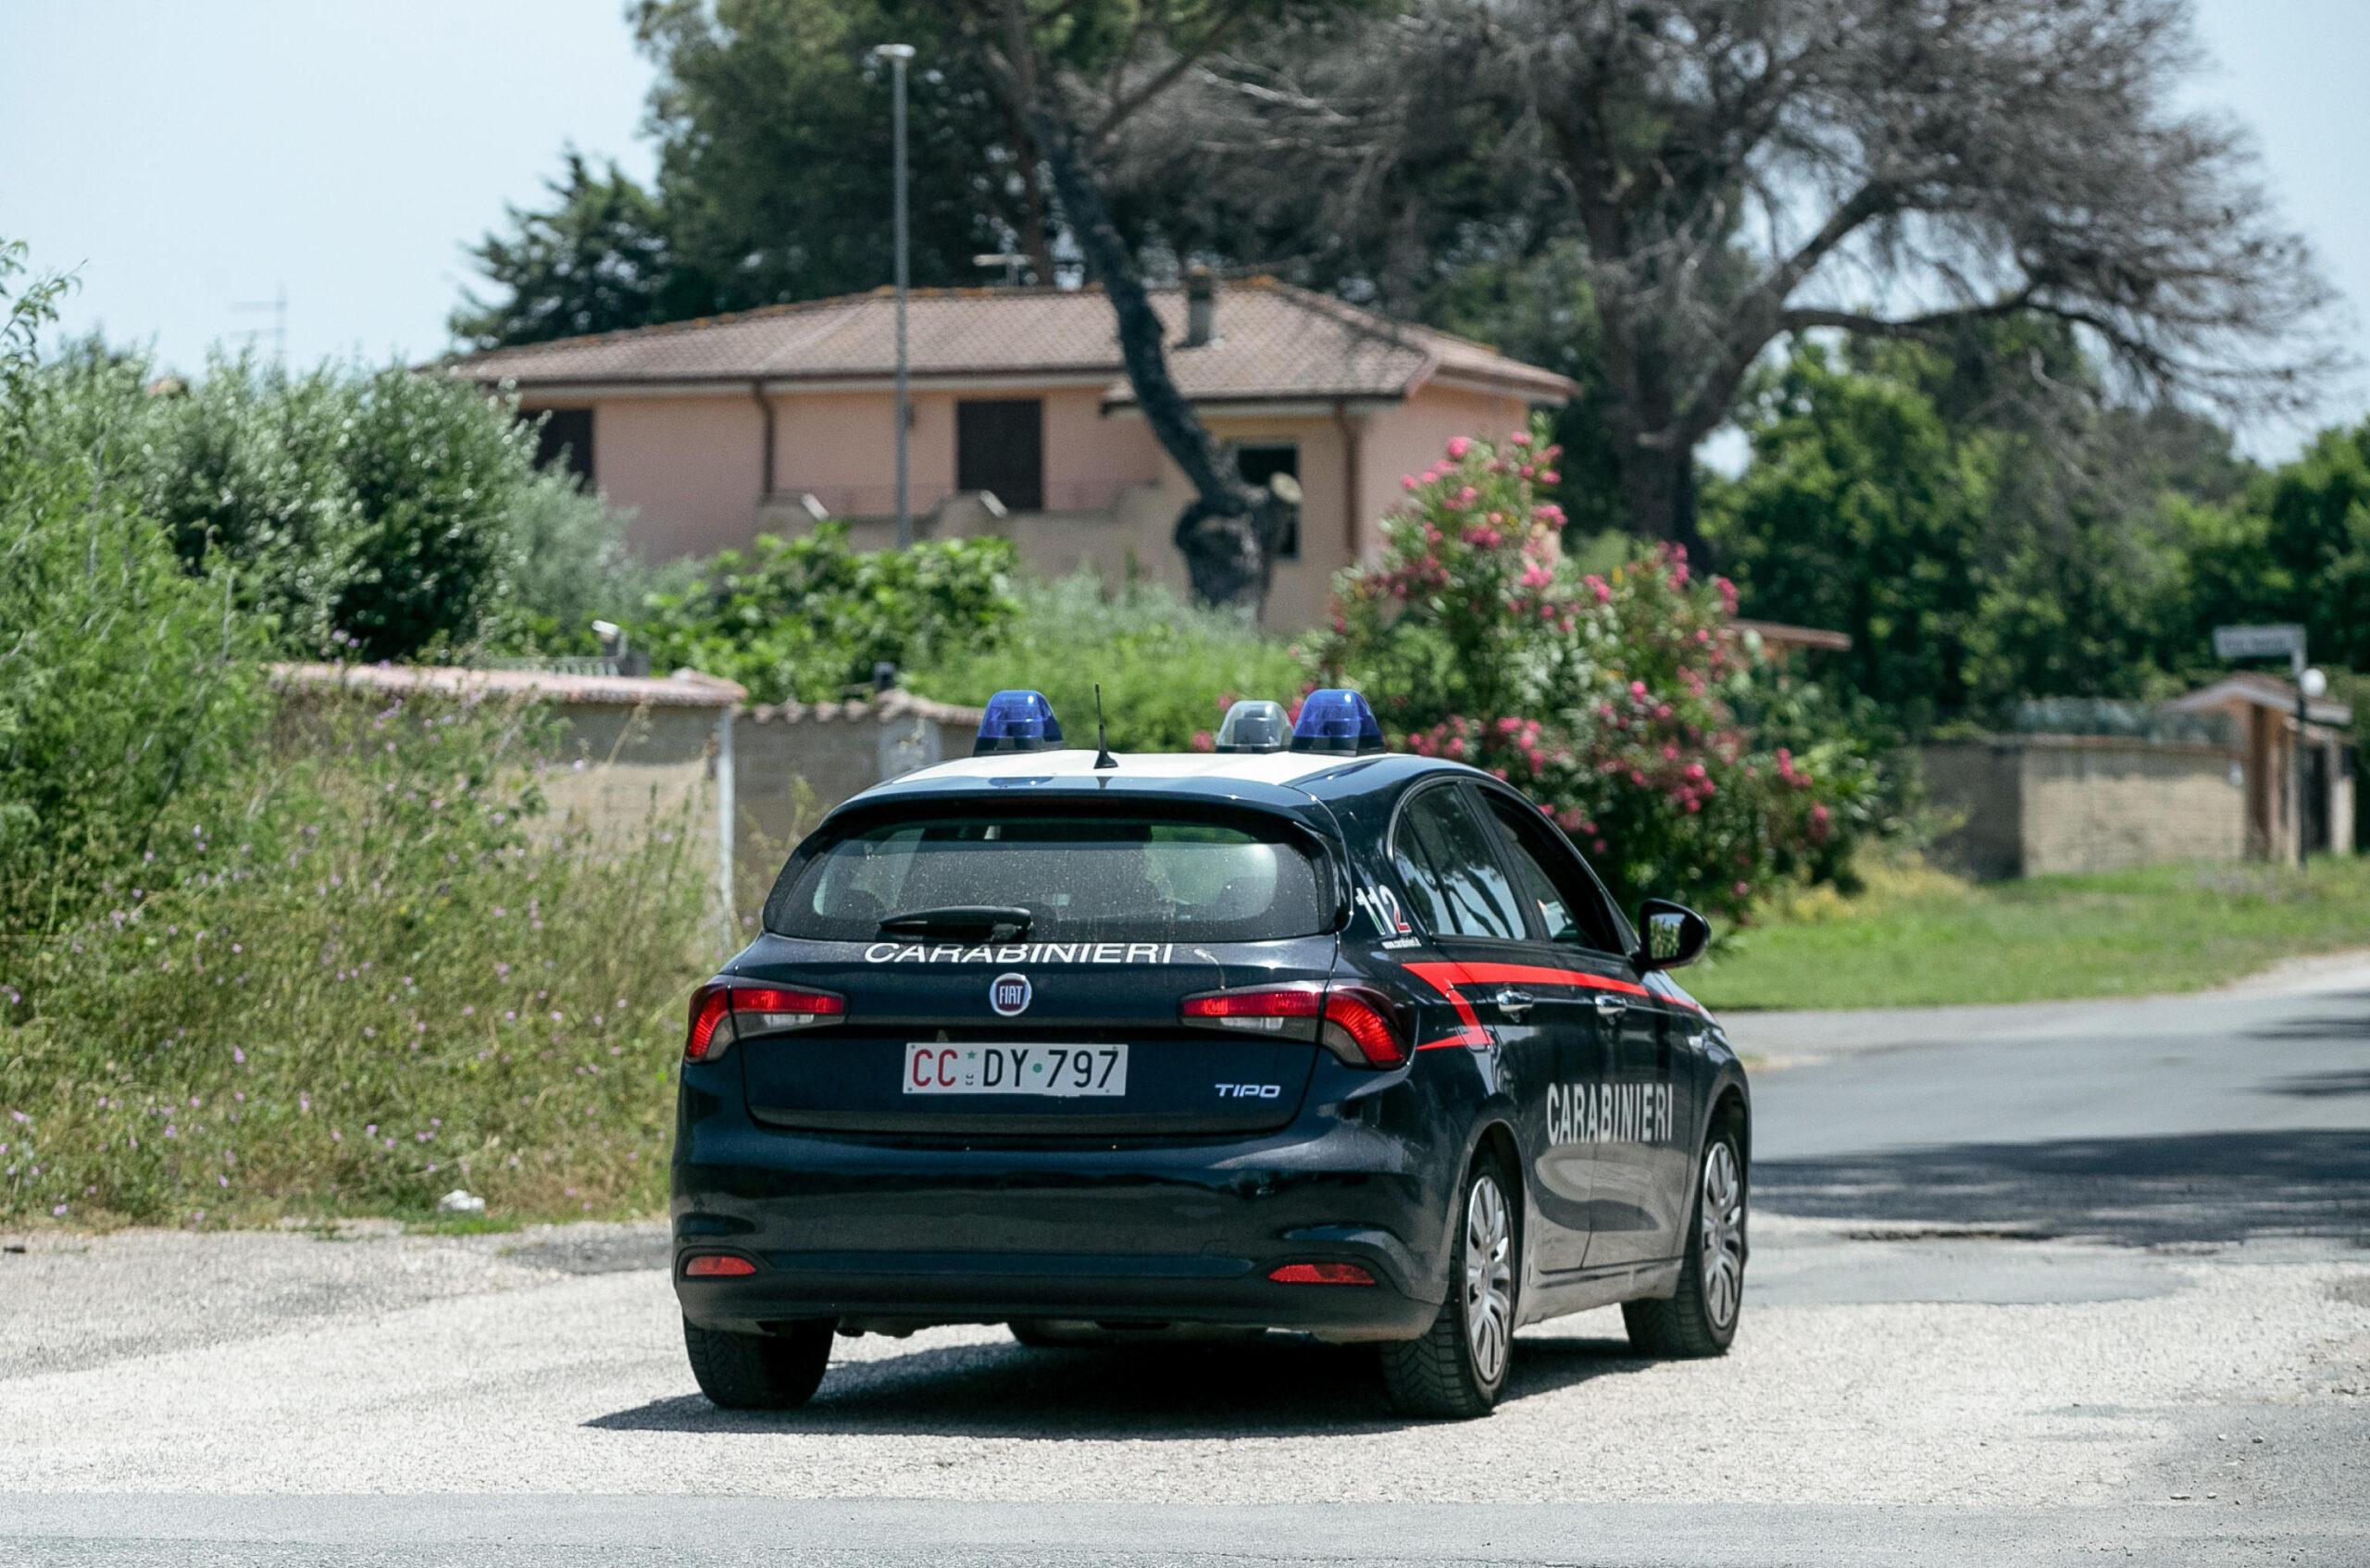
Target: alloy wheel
<point x="1723" y="1227"/>
<point x="1488" y="1277"/>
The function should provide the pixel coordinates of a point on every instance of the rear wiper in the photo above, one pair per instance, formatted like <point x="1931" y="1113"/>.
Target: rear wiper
<point x="960" y="919"/>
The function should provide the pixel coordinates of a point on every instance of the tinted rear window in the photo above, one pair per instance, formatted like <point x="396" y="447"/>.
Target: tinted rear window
<point x="1081" y="878"/>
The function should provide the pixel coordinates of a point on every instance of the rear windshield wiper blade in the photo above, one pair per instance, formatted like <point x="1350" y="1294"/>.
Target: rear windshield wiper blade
<point x="960" y="919"/>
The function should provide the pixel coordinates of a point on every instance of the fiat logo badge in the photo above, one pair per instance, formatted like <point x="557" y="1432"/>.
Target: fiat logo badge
<point x="1009" y="995"/>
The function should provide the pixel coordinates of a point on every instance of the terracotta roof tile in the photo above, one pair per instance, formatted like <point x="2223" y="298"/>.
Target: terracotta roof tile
<point x="687" y="689"/>
<point x="1273" y="342"/>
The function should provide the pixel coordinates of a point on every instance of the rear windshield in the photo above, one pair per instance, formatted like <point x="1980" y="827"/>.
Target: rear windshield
<point x="1081" y="878"/>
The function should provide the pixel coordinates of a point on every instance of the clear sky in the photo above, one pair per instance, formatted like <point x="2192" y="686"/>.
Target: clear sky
<point x="188" y="155"/>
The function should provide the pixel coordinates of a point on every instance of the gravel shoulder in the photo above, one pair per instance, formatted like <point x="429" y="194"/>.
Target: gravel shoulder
<point x="484" y="1364"/>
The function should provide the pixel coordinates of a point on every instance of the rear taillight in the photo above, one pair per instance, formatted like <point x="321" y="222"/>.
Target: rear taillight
<point x="1320" y="1274"/>
<point x="1353" y="1022"/>
<point x="1291" y="1012"/>
<point x="718" y="1266"/>
<point x="722" y="1013"/>
<point x="1358" y="1028"/>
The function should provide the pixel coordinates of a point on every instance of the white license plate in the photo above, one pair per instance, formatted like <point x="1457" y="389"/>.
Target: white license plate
<point x="1065" y="1072"/>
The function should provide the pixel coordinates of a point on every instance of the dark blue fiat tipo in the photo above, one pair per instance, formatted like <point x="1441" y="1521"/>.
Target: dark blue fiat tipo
<point x="1298" y="1035"/>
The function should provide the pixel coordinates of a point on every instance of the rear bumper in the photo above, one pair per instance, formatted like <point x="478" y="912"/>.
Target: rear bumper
<point x="1178" y="1233"/>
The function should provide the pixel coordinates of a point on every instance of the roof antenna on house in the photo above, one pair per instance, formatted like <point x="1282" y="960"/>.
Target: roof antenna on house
<point x="1102" y="757"/>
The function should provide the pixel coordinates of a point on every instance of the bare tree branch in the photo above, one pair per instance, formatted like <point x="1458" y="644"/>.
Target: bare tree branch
<point x="1716" y="161"/>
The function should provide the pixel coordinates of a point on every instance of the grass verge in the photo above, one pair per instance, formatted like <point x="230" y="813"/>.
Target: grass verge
<point x="1918" y="938"/>
<point x="365" y="975"/>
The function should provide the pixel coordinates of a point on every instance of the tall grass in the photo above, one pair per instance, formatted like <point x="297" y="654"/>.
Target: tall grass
<point x="1167" y="668"/>
<point x="351" y="981"/>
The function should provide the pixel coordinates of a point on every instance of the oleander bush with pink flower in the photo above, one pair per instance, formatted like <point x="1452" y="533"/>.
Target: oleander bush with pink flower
<point x="1675" y="754"/>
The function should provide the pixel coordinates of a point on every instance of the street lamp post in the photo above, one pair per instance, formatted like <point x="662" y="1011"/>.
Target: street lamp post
<point x="899" y="55"/>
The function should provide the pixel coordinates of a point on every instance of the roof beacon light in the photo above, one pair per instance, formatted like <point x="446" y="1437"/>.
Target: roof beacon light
<point x="1017" y="721"/>
<point x="1254" y="724"/>
<point x="1337" y="723"/>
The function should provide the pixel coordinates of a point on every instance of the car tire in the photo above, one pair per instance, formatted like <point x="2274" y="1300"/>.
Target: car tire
<point x="1701" y="1318"/>
<point x="759" y="1371"/>
<point x="1458" y="1369"/>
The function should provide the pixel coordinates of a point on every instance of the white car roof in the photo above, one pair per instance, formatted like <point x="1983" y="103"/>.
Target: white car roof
<point x="1282" y="769"/>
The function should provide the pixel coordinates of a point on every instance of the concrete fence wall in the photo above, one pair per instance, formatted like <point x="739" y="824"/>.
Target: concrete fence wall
<point x="793" y="763"/>
<point x="2028" y="805"/>
<point x="750" y="782"/>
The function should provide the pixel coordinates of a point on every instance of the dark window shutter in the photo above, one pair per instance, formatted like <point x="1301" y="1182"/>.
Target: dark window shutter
<point x="1000" y="446"/>
<point x="566" y="439"/>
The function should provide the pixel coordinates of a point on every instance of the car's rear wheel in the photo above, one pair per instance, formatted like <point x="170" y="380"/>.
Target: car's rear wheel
<point x="759" y="1371"/>
<point x="1701" y="1318"/>
<point x="1457" y="1370"/>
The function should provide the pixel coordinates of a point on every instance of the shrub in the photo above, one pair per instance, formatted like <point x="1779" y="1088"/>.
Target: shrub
<point x="377" y="974"/>
<point x="808" y="619"/>
<point x="1167" y="668"/>
<point x="567" y="565"/>
<point x="125" y="684"/>
<point x="387" y="514"/>
<point x="1611" y="698"/>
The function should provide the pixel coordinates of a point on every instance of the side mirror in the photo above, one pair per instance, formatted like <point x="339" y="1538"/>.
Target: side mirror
<point x="1671" y="935"/>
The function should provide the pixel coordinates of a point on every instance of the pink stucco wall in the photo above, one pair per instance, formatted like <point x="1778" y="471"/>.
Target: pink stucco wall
<point x="1410" y="437"/>
<point x="685" y="466"/>
<point x="839" y="447"/>
<point x="689" y="466"/>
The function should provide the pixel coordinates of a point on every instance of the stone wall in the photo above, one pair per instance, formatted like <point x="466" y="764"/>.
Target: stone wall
<point x="2030" y="805"/>
<point x="793" y="763"/>
<point x="632" y="750"/>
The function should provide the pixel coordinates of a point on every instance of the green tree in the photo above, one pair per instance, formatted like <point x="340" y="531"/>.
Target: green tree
<point x="598" y="259"/>
<point x="1861" y="511"/>
<point x="2296" y="547"/>
<point x="1979" y="544"/>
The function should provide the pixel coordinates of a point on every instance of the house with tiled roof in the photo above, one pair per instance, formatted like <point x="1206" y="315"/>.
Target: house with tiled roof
<point x="1024" y="425"/>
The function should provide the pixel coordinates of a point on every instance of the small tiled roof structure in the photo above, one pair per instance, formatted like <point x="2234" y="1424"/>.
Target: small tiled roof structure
<point x="684" y="689"/>
<point x="889" y="705"/>
<point x="1271" y="341"/>
<point x="2263" y="690"/>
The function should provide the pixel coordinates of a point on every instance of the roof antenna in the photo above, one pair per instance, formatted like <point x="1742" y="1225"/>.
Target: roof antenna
<point x="1102" y="757"/>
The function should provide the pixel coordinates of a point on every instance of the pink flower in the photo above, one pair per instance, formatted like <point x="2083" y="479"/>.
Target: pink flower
<point x="1459" y="445"/>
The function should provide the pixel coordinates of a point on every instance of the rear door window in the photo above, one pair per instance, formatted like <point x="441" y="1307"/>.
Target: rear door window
<point x="1571" y="908"/>
<point x="1450" y="864"/>
<point x="1133" y="878"/>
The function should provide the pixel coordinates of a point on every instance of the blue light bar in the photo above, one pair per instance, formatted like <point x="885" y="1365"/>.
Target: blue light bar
<point x="1017" y="721"/>
<point x="1337" y="723"/>
<point x="1254" y="724"/>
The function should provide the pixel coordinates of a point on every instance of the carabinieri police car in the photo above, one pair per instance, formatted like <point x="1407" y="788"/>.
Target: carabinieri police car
<point x="1294" y="1035"/>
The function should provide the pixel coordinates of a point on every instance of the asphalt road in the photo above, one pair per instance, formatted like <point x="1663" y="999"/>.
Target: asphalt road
<point x="2029" y="1285"/>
